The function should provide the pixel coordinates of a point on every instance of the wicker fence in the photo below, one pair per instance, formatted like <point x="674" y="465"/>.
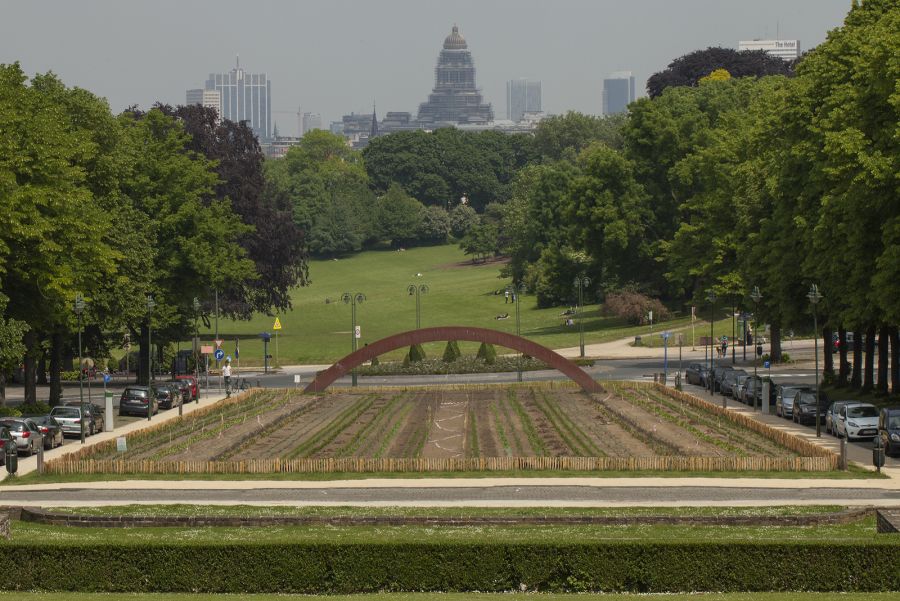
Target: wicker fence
<point x="812" y="458"/>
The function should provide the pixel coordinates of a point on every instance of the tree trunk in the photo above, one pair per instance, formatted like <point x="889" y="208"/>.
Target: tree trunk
<point x="856" y="375"/>
<point x="42" y="368"/>
<point x="3" y="389"/>
<point x="143" y="357"/>
<point x="31" y="342"/>
<point x="895" y="360"/>
<point x="869" y="376"/>
<point x="828" y="343"/>
<point x="844" y="369"/>
<point x="56" y="344"/>
<point x="881" y="384"/>
<point x="775" y="343"/>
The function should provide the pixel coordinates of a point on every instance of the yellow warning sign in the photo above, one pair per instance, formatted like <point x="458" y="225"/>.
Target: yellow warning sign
<point x="277" y="325"/>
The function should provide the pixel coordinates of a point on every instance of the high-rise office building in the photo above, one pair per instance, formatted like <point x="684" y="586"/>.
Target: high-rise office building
<point x="208" y="98"/>
<point x="784" y="49"/>
<point x="454" y="99"/>
<point x="245" y="97"/>
<point x="310" y="121"/>
<point x="618" y="92"/>
<point x="522" y="96"/>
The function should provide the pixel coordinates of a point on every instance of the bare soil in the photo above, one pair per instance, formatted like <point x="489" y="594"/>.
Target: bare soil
<point x="434" y="423"/>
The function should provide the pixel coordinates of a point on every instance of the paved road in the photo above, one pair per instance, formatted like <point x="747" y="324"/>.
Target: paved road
<point x="521" y="495"/>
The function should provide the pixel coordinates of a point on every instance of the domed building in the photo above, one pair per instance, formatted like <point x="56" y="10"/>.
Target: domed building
<point x="455" y="99"/>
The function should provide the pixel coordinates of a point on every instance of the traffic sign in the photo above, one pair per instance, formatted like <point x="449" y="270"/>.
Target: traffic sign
<point x="767" y="365"/>
<point x="357" y="333"/>
<point x="218" y="342"/>
<point x="220" y="354"/>
<point x="106" y="378"/>
<point x="277" y="325"/>
<point x="206" y="349"/>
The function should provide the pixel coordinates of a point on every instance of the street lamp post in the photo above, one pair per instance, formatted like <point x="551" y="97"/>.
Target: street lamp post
<point x="756" y="296"/>
<point x="79" y="310"/>
<point x="418" y="291"/>
<point x="581" y="282"/>
<point x="150" y="304"/>
<point x="517" y="291"/>
<point x="197" y="346"/>
<point x="353" y="299"/>
<point x="711" y="297"/>
<point x="814" y="298"/>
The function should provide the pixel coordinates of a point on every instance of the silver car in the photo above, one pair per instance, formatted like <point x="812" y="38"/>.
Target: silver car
<point x="26" y="433"/>
<point x="70" y="419"/>
<point x="831" y="416"/>
<point x="784" y="400"/>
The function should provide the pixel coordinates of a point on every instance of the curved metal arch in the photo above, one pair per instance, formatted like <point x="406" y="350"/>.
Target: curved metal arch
<point x="326" y="378"/>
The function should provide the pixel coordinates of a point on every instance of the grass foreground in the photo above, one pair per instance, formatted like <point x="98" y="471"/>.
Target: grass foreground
<point x="456" y="597"/>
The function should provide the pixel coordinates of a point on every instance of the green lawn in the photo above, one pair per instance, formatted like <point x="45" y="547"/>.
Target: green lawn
<point x="860" y="530"/>
<point x="316" y="331"/>
<point x="455" y="597"/>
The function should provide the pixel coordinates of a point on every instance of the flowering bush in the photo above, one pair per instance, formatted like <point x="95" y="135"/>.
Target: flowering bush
<point x="634" y="307"/>
<point x="467" y="364"/>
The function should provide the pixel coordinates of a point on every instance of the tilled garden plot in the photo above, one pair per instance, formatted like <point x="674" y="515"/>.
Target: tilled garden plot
<point x="516" y="421"/>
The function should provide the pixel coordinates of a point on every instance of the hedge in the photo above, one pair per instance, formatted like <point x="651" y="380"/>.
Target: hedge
<point x="358" y="568"/>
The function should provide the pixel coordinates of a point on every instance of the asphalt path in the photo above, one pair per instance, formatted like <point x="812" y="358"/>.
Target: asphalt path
<point x="488" y="495"/>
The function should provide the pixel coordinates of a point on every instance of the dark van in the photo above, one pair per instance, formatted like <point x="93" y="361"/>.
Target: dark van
<point x="889" y="430"/>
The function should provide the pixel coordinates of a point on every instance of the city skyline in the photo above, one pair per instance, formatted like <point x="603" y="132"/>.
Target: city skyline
<point x="382" y="52"/>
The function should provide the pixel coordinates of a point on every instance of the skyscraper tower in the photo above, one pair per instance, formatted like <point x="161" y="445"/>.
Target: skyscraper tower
<point x="522" y="96"/>
<point x="454" y="99"/>
<point x="245" y="97"/>
<point x="618" y="92"/>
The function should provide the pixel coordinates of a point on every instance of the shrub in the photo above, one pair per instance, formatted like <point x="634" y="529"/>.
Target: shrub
<point x="416" y="353"/>
<point x="375" y="361"/>
<point x="451" y="352"/>
<point x="487" y="353"/>
<point x="38" y="408"/>
<point x="633" y="307"/>
<point x="69" y="376"/>
<point x="9" y="412"/>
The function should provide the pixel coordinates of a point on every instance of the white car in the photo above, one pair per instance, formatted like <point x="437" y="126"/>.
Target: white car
<point x="857" y="421"/>
<point x="832" y="415"/>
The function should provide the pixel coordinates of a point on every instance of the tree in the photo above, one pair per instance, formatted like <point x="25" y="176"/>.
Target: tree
<point x="690" y="68"/>
<point x="462" y="219"/>
<point x="276" y="244"/>
<point x="564" y="136"/>
<point x="399" y="216"/>
<point x="435" y="225"/>
<point x="11" y="348"/>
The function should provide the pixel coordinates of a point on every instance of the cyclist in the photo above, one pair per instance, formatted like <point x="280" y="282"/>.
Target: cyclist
<point x="226" y="373"/>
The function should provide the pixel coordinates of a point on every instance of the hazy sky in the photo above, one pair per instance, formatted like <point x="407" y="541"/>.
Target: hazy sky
<point x="336" y="56"/>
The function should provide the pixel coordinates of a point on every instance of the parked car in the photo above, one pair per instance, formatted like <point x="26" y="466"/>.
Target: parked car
<point x="889" y="430"/>
<point x="184" y="387"/>
<point x="51" y="429"/>
<point x="195" y="389"/>
<point x="70" y="419"/>
<point x="806" y="408"/>
<point x="751" y="390"/>
<point x="784" y="399"/>
<point x="831" y="415"/>
<point x="138" y="400"/>
<point x="26" y="434"/>
<point x="729" y="379"/>
<point x="167" y="395"/>
<point x="737" y="389"/>
<point x="94" y="416"/>
<point x="692" y="374"/>
<point x="857" y="421"/>
<point x="719" y="373"/>
<point x="6" y="442"/>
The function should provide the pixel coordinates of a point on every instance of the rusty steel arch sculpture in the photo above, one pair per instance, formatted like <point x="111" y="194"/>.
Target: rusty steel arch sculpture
<point x="326" y="378"/>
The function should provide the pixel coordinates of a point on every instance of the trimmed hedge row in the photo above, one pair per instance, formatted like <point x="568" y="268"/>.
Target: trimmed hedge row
<point x="358" y="568"/>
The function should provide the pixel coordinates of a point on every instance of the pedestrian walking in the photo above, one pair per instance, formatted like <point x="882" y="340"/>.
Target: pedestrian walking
<point x="506" y="297"/>
<point x="226" y="374"/>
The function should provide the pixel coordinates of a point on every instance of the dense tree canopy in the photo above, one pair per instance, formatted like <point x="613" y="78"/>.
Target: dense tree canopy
<point x="689" y="69"/>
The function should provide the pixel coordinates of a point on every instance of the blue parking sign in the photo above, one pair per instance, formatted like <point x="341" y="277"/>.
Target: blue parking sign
<point x="106" y="378"/>
<point x="766" y="365"/>
<point x="220" y="354"/>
